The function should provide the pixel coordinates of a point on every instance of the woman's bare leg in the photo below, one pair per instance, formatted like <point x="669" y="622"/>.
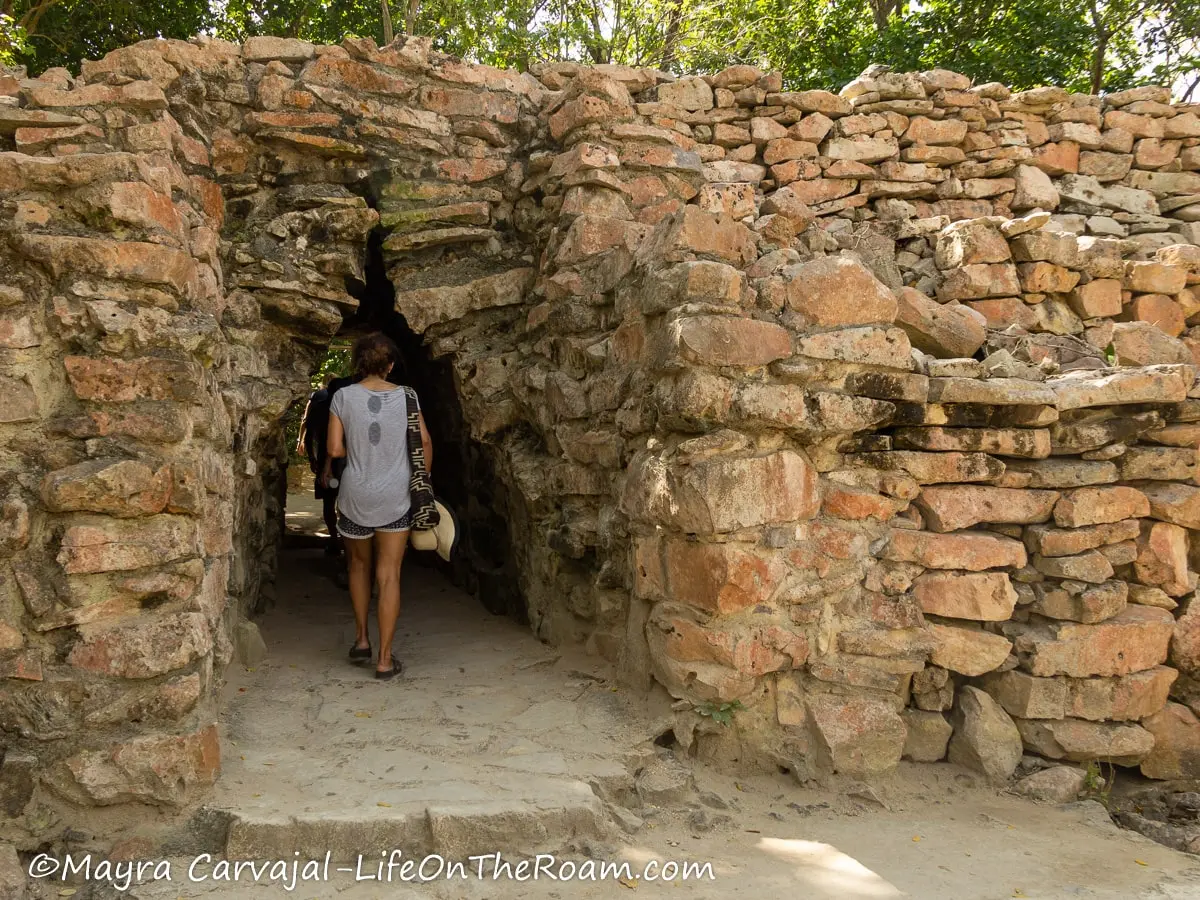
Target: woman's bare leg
<point x="390" y="547"/>
<point x="358" y="559"/>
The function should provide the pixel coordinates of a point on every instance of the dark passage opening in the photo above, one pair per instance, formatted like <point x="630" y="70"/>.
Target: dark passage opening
<point x="464" y="471"/>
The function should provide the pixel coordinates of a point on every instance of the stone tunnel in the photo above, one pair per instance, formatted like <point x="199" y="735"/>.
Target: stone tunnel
<point x="865" y="415"/>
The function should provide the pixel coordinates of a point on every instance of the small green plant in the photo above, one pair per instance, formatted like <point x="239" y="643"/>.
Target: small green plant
<point x="1110" y="354"/>
<point x="1097" y="784"/>
<point x="721" y="713"/>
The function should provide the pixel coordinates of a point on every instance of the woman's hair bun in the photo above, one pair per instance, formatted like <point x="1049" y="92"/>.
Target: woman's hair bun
<point x="374" y="353"/>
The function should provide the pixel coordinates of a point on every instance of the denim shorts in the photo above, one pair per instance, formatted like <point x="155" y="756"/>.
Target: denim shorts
<point x="352" y="530"/>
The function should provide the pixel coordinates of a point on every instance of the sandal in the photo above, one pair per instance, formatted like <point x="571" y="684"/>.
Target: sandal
<point x="360" y="654"/>
<point x="396" y="669"/>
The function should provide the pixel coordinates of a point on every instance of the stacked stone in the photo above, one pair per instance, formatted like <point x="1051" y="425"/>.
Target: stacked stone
<point x="874" y="411"/>
<point x="120" y="490"/>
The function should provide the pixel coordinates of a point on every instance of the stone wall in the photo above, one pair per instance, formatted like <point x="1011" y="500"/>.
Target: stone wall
<point x="873" y="412"/>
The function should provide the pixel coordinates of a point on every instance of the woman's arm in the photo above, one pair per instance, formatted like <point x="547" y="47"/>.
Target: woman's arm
<point x="302" y="439"/>
<point x="335" y="443"/>
<point x="426" y="444"/>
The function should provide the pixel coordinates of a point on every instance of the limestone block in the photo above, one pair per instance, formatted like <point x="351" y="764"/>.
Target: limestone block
<point x="1082" y="741"/>
<point x="856" y="736"/>
<point x="835" y="290"/>
<point x="927" y="737"/>
<point x="1133" y="640"/>
<point x="1099" y="505"/>
<point x="1176" y="751"/>
<point x="968" y="550"/>
<point x="981" y="596"/>
<point x="1125" y="698"/>
<point x="952" y="507"/>
<point x="968" y="651"/>
<point x="985" y="738"/>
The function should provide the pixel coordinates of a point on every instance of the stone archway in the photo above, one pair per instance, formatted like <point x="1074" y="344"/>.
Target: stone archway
<point x="680" y="317"/>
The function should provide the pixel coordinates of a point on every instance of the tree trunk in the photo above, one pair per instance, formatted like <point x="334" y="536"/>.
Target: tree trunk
<point x="386" y="15"/>
<point x="671" y="38"/>
<point x="410" y="18"/>
<point x="1098" y="62"/>
<point x="882" y="10"/>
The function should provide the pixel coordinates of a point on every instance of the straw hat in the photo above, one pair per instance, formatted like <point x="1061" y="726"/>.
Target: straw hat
<point x="441" y="537"/>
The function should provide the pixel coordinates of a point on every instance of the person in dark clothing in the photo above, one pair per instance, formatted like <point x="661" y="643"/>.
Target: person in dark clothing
<point x="314" y="430"/>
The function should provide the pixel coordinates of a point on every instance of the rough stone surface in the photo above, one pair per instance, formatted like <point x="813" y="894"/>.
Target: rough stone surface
<point x="1135" y="639"/>
<point x="1057" y="784"/>
<point x="1078" y="741"/>
<point x="1096" y="506"/>
<point x="968" y="651"/>
<point x="928" y="735"/>
<point x="839" y="291"/>
<point x="857" y="736"/>
<point x="952" y="508"/>
<point x="1176" y="752"/>
<point x="985" y="738"/>
<point x="982" y="596"/>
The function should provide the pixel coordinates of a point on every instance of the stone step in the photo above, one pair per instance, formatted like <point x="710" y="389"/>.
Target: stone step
<point x="547" y="814"/>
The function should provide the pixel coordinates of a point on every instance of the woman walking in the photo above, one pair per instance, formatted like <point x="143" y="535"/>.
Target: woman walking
<point x="368" y="425"/>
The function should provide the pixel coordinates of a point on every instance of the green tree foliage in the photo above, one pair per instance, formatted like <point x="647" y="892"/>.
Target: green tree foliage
<point x="1089" y="45"/>
<point x="65" y="32"/>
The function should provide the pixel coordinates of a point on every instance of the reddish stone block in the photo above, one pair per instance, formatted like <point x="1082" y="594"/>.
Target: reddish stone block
<point x="1081" y="741"/>
<point x="973" y="551"/>
<point x="750" y="649"/>
<point x="133" y="261"/>
<point x="968" y="651"/>
<point x="834" y="290"/>
<point x="694" y="231"/>
<point x="952" y="507"/>
<point x="122" y="488"/>
<point x="1135" y="639"/>
<point x="1178" y="504"/>
<point x="983" y="596"/>
<point x="718" y="578"/>
<point x="141" y="646"/>
<point x="843" y="502"/>
<point x="1100" y="505"/>
<point x="159" y="769"/>
<point x="1126" y="698"/>
<point x="1160" y="310"/>
<point x="121" y="380"/>
<point x="856" y="736"/>
<point x="1185" y="643"/>
<point x="26" y="666"/>
<point x="18" y="402"/>
<point x="1162" y="559"/>
<point x="724" y="494"/>
<point x="1176" y="752"/>
<point x="730" y="341"/>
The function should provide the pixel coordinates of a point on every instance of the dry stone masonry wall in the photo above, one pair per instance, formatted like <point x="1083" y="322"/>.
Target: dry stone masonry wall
<point x="874" y="412"/>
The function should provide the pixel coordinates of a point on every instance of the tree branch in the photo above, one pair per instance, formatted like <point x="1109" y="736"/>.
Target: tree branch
<point x="33" y="15"/>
